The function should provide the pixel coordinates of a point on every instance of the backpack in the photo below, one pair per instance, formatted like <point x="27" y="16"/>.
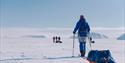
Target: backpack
<point x="102" y="56"/>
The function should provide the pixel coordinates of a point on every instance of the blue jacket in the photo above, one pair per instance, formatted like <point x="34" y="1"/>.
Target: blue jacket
<point x="82" y="27"/>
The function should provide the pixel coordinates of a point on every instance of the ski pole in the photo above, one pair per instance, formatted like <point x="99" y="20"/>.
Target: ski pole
<point x="73" y="45"/>
<point x="89" y="38"/>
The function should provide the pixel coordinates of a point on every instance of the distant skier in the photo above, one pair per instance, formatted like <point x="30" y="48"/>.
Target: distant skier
<point x="83" y="30"/>
<point x="59" y="38"/>
<point x="54" y="39"/>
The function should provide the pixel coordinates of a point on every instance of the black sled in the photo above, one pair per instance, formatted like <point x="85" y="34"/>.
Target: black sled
<point x="100" y="56"/>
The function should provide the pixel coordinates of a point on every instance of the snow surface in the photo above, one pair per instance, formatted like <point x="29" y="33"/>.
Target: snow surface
<point x="34" y="45"/>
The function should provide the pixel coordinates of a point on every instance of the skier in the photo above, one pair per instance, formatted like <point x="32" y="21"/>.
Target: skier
<point x="59" y="38"/>
<point x="83" y="31"/>
<point x="54" y="39"/>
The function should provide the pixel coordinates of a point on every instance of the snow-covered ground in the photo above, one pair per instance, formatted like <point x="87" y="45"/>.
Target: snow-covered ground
<point x="35" y="45"/>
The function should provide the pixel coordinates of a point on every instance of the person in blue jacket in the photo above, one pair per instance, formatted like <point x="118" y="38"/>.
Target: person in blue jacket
<point x="83" y="31"/>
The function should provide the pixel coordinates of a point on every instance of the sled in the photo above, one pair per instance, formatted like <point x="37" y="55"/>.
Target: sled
<point x="100" y="56"/>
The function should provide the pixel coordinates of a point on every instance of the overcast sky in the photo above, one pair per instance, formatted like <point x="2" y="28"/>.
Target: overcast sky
<point x="61" y="13"/>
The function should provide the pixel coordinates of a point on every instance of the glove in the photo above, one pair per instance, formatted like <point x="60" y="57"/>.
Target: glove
<point x="74" y="32"/>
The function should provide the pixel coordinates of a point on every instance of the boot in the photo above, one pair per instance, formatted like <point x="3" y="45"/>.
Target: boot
<point x="82" y="53"/>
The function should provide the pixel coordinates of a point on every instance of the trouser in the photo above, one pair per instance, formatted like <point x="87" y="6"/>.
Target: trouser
<point x="82" y="45"/>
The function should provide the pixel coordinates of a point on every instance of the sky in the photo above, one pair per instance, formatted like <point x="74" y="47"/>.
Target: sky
<point x="61" y="13"/>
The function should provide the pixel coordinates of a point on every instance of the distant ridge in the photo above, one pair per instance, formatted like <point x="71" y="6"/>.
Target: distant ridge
<point x="98" y="36"/>
<point x="122" y="37"/>
<point x="95" y="35"/>
<point x="35" y="36"/>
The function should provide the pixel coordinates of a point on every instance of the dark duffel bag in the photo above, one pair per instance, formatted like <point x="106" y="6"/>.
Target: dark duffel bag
<point x="102" y="56"/>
